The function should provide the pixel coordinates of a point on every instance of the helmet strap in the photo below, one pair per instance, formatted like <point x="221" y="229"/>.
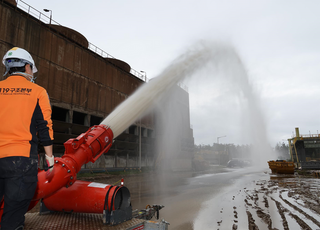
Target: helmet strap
<point x="26" y="75"/>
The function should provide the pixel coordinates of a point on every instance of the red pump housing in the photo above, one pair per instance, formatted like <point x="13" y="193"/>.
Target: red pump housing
<point x="88" y="197"/>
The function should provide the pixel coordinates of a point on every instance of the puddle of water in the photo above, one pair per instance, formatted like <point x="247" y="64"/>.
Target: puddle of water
<point x="274" y="214"/>
<point x="292" y="223"/>
<point x="222" y="211"/>
<point x="260" y="201"/>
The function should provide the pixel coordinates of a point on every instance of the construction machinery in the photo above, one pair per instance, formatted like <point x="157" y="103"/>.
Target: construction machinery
<point x="281" y="167"/>
<point x="62" y="192"/>
<point x="305" y="150"/>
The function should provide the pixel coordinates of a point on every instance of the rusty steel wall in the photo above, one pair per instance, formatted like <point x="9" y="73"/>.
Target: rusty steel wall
<point x="74" y="76"/>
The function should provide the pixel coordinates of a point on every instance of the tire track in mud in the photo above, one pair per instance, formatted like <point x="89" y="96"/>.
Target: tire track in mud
<point x="281" y="202"/>
<point x="251" y="222"/>
<point x="281" y="211"/>
<point x="273" y="189"/>
<point x="314" y="207"/>
<point x="299" y="210"/>
<point x="265" y="217"/>
<point x="301" y="223"/>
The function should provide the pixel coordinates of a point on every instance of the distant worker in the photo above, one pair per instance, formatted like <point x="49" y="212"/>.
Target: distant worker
<point x="25" y="115"/>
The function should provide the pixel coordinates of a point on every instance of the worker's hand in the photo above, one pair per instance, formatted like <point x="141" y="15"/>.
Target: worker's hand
<point x="50" y="163"/>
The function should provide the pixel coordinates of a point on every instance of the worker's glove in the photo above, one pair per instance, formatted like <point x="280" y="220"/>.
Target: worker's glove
<point x="49" y="169"/>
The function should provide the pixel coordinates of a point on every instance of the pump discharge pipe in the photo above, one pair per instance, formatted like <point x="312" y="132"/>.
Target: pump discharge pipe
<point x="86" y="147"/>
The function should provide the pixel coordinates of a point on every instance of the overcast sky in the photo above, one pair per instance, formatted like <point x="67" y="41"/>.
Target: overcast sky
<point x="278" y="43"/>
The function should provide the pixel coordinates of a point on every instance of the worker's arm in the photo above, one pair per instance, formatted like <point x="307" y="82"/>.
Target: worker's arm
<point x="48" y="150"/>
<point x="44" y="127"/>
<point x="43" y="119"/>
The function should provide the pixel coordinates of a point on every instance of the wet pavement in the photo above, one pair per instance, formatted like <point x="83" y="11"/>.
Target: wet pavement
<point x="183" y="194"/>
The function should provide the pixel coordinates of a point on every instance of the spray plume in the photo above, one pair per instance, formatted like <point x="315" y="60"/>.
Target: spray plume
<point x="203" y="55"/>
<point x="144" y="98"/>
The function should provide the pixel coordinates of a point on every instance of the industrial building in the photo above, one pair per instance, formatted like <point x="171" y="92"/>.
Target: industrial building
<point x="85" y="84"/>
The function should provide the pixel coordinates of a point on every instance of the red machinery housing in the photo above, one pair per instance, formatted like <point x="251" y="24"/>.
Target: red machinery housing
<point x="62" y="192"/>
<point x="86" y="147"/>
<point x="86" y="196"/>
<point x="90" y="197"/>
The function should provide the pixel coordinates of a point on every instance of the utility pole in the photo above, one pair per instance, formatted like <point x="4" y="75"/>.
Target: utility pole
<point x="145" y="75"/>
<point x="140" y="146"/>
<point x="219" y="138"/>
<point x="46" y="10"/>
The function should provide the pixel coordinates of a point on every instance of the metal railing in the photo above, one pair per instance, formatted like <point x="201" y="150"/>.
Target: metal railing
<point x="306" y="136"/>
<point x="309" y="135"/>
<point x="35" y="13"/>
<point x="45" y="19"/>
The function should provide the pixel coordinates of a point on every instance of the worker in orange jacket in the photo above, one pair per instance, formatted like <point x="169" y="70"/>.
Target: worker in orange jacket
<point x="25" y="115"/>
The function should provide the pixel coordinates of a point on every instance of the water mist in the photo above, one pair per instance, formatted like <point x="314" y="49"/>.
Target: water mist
<point x="203" y="57"/>
<point x="231" y="102"/>
<point x="204" y="62"/>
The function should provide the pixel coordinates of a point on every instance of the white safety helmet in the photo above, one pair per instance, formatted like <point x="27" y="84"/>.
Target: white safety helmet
<point x="18" y="57"/>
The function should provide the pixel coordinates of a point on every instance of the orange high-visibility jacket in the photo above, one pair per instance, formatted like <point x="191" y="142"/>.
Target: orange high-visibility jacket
<point x="25" y="111"/>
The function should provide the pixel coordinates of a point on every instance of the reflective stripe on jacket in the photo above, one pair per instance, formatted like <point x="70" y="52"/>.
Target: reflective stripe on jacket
<point x="25" y="111"/>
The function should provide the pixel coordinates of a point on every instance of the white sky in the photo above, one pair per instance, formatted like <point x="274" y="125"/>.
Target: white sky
<point x="278" y="42"/>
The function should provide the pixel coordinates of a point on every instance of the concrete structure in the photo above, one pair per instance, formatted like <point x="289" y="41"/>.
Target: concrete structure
<point x="175" y="143"/>
<point x="84" y="87"/>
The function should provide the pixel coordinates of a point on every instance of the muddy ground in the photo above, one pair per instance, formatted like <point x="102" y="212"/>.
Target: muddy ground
<point x="261" y="201"/>
<point x="264" y="201"/>
<point x="283" y="202"/>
